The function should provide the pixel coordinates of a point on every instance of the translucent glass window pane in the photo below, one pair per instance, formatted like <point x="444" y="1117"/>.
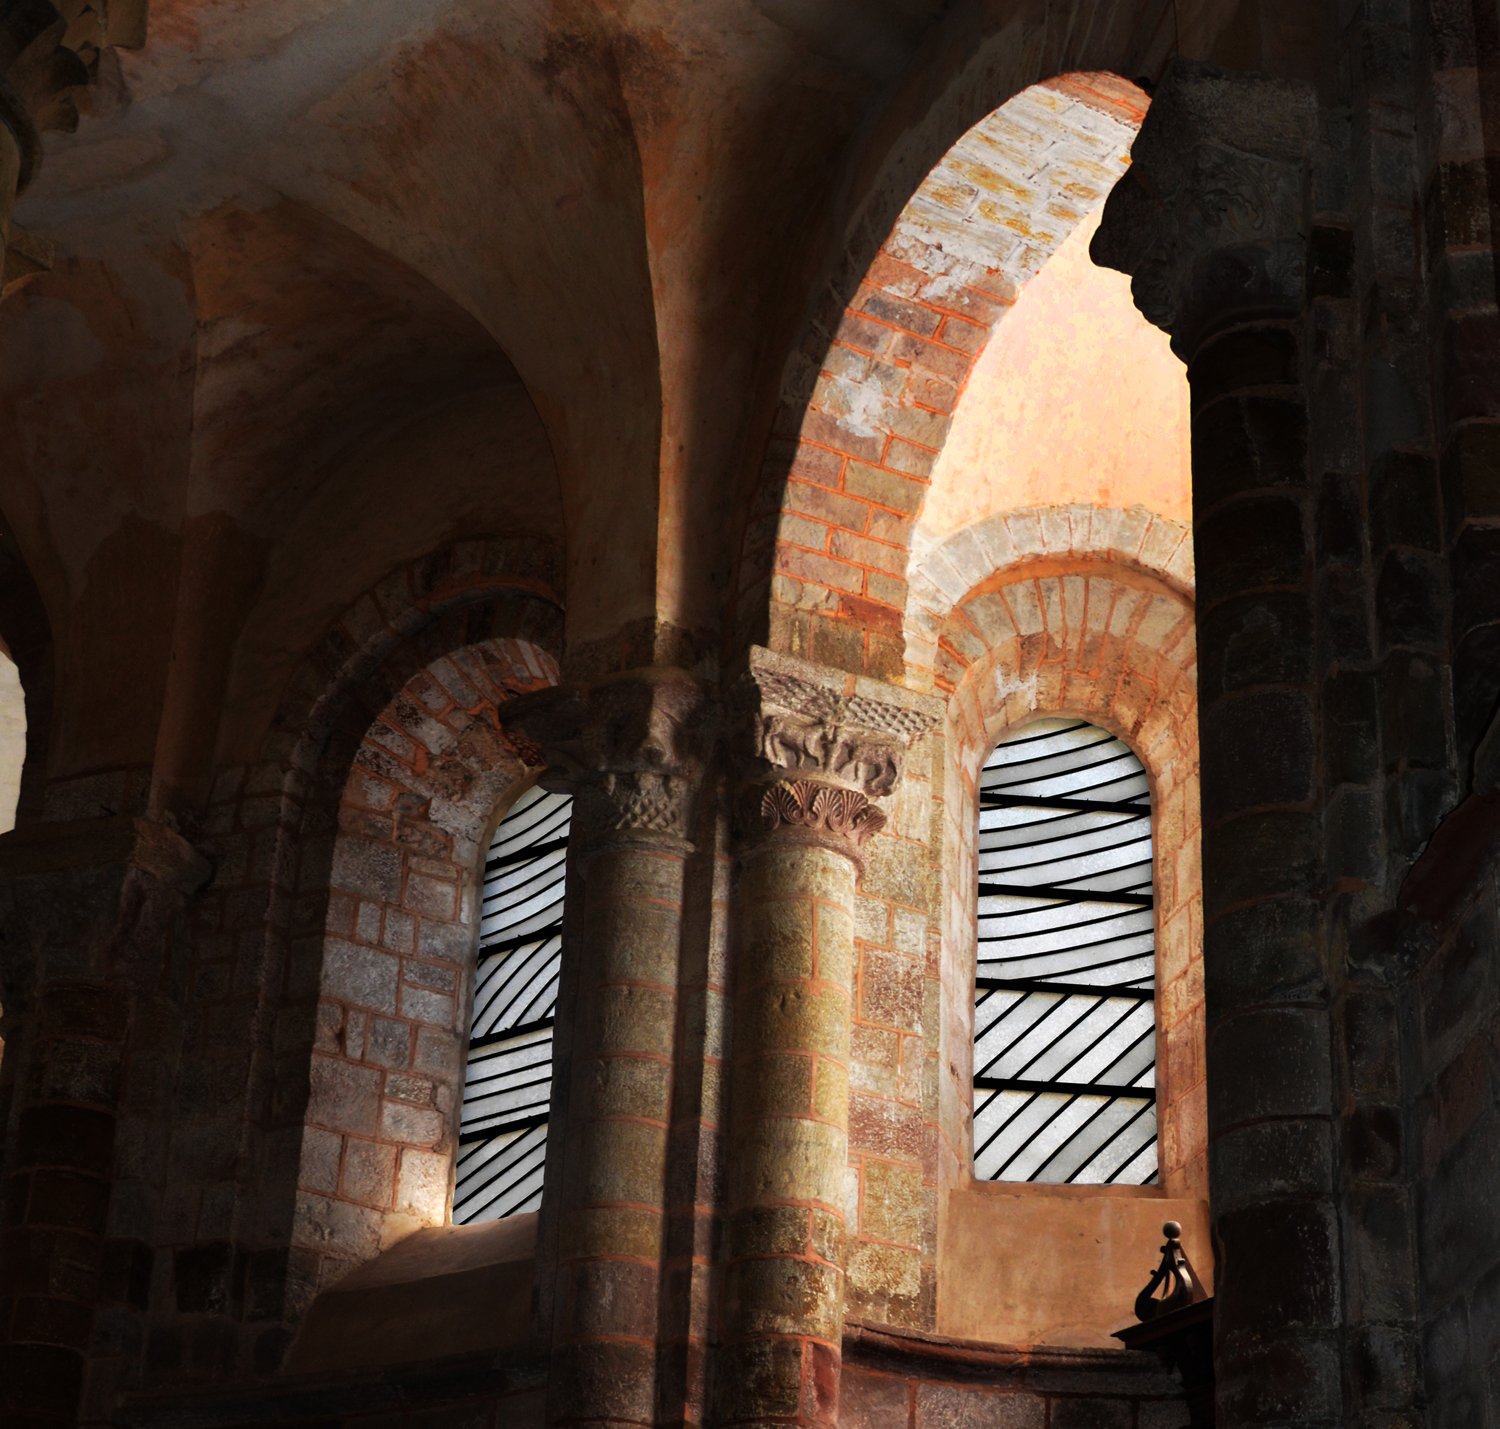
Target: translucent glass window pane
<point x="508" y="1085"/>
<point x="1064" y="1000"/>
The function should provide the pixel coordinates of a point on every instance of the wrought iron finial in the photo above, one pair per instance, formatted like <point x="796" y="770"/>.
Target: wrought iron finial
<point x="1176" y="1273"/>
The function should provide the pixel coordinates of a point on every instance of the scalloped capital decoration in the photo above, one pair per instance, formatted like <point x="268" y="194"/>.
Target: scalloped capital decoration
<point x="822" y="808"/>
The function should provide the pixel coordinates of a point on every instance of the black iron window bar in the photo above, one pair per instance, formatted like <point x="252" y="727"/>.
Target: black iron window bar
<point x="1064" y="1005"/>
<point x="502" y="1142"/>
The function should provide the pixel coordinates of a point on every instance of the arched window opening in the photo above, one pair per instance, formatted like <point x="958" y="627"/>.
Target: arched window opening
<point x="1064" y="1001"/>
<point x="12" y="739"/>
<point x="508" y="1084"/>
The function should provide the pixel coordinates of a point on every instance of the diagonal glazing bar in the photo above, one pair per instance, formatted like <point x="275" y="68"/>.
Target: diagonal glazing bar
<point x="507" y="1090"/>
<point x="1064" y="1033"/>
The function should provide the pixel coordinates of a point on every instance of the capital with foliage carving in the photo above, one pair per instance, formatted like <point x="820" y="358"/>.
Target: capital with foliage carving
<point x="816" y="746"/>
<point x="49" y="56"/>
<point x="631" y="748"/>
<point x="1210" y="220"/>
<point x="802" y="720"/>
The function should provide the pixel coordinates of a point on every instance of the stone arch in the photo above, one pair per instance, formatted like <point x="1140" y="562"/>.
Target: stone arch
<point x="944" y="574"/>
<point x="456" y="620"/>
<point x="402" y="607"/>
<point x="867" y="401"/>
<point x="431" y="777"/>
<point x="1116" y="646"/>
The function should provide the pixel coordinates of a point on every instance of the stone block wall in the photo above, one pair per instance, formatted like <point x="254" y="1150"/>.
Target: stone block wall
<point x="228" y="1281"/>
<point x="95" y="950"/>
<point x="393" y="982"/>
<point x="896" y="1380"/>
<point x="1441" y="950"/>
<point x="895" y="1167"/>
<point x="891" y="1380"/>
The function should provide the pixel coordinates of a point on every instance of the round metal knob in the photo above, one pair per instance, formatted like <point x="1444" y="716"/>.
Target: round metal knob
<point x="1172" y="1230"/>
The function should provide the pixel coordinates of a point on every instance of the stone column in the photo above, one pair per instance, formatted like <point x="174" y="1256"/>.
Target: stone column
<point x="630" y="747"/>
<point x="820" y="753"/>
<point x="90" y="951"/>
<point x="1213" y="224"/>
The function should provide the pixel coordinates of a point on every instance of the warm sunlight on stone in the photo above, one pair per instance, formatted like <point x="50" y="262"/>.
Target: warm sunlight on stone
<point x="1075" y="399"/>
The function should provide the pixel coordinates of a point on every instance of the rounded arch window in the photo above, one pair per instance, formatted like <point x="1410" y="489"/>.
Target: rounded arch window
<point x="508" y="1080"/>
<point x="12" y="738"/>
<point x="1064" y="1014"/>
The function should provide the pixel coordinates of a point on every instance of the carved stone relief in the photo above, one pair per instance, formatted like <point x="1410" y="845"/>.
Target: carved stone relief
<point x="816" y="746"/>
<point x="631" y="748"/>
<point x="801" y="722"/>
<point x="803" y="804"/>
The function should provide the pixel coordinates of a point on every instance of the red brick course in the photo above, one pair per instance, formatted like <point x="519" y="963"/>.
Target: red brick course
<point x="869" y="422"/>
<point x="1118" y="648"/>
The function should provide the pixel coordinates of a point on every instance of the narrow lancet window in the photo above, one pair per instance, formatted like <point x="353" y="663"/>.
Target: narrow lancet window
<point x="1064" y="1000"/>
<point x="503" y="1135"/>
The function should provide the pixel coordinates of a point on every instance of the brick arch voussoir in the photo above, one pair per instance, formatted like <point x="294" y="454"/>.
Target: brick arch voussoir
<point x="459" y="633"/>
<point x="412" y="615"/>
<point x="869" y="395"/>
<point x="949" y="570"/>
<point x="1088" y="643"/>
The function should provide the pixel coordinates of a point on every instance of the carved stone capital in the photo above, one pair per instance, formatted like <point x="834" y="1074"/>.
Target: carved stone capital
<point x="143" y="845"/>
<point x="49" y="57"/>
<point x="631" y="748"/>
<point x="819" y="809"/>
<point x="801" y="720"/>
<point x="1210" y="220"/>
<point x="636" y="801"/>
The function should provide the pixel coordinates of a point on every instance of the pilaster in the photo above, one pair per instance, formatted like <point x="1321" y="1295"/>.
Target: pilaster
<point x="91" y="909"/>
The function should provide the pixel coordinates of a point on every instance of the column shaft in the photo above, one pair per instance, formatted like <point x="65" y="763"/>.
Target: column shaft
<point x="612" y="1218"/>
<point x="788" y="1136"/>
<point x="1269" y="1056"/>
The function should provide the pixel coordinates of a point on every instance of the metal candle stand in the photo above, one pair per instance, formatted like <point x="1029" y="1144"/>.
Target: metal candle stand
<point x="1178" y="1326"/>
